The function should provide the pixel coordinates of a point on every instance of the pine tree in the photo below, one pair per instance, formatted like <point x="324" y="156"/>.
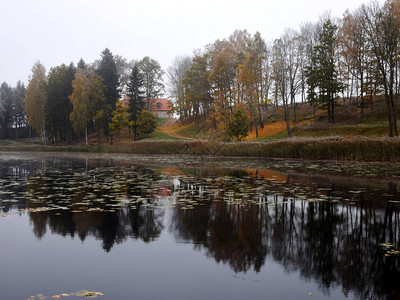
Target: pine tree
<point x="58" y="105"/>
<point x="238" y="128"/>
<point x="147" y="123"/>
<point x="108" y="71"/>
<point x="135" y="93"/>
<point x="322" y="78"/>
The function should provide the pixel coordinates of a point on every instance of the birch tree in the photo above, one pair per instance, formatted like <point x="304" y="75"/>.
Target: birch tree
<point x="35" y="100"/>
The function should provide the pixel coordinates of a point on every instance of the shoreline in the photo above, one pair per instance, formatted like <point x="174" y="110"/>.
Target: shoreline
<point x="380" y="149"/>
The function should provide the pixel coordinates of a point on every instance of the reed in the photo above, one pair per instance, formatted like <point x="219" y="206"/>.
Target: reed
<point x="332" y="148"/>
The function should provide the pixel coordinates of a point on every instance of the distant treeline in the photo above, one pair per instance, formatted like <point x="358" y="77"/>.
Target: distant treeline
<point x="12" y="112"/>
<point x="72" y="101"/>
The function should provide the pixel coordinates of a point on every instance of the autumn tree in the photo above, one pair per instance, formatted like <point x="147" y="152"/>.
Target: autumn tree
<point x="135" y="93"/>
<point x="99" y="108"/>
<point x="120" y="119"/>
<point x="223" y="80"/>
<point x="80" y="99"/>
<point x="251" y="79"/>
<point x="197" y="89"/>
<point x="354" y="44"/>
<point x="382" y="29"/>
<point x="35" y="100"/>
<point x="281" y="79"/>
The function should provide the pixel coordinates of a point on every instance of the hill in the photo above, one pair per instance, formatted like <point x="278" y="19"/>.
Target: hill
<point x="348" y="123"/>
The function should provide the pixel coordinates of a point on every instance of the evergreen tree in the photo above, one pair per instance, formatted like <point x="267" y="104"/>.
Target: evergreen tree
<point x="136" y="95"/>
<point x="19" y="114"/>
<point x="83" y="67"/>
<point x="108" y="71"/>
<point x="322" y="78"/>
<point x="147" y="123"/>
<point x="6" y="92"/>
<point x="238" y="128"/>
<point x="58" y="105"/>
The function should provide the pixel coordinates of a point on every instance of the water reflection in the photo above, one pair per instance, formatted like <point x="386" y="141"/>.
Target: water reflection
<point x="329" y="231"/>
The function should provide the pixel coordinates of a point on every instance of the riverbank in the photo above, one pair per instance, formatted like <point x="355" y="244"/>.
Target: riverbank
<point x="332" y="148"/>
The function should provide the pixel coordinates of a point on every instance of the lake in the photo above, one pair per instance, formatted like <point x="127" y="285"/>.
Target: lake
<point x="181" y="227"/>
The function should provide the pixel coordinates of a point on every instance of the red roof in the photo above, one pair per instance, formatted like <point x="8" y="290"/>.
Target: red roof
<point x="125" y="102"/>
<point x="160" y="104"/>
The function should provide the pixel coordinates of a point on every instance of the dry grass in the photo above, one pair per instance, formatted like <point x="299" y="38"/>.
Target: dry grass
<point x="336" y="148"/>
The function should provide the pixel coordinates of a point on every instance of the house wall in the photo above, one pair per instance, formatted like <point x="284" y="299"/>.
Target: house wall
<point x="162" y="114"/>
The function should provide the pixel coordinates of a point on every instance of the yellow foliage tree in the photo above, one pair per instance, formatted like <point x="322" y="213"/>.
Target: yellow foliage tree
<point x="35" y="100"/>
<point x="80" y="99"/>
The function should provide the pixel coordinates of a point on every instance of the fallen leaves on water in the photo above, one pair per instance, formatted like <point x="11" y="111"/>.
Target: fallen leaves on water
<point x="389" y="249"/>
<point x="81" y="293"/>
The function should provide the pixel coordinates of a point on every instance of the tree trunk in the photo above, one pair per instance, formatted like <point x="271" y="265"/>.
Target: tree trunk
<point x="294" y="111"/>
<point x="286" y="108"/>
<point x="314" y="112"/>
<point x="256" y="125"/>
<point x="362" y="95"/>
<point x="86" y="135"/>
<point x="389" y="112"/>
<point x="260" y="116"/>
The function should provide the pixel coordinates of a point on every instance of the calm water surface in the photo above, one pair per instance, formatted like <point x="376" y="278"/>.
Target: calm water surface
<point x="193" y="228"/>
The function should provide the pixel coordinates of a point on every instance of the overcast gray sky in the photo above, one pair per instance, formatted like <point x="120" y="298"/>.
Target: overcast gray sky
<point x="63" y="31"/>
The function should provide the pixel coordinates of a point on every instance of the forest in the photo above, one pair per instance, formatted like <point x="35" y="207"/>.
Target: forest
<point x="228" y="85"/>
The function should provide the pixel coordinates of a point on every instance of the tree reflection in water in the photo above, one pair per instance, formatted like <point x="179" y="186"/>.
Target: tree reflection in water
<point x="94" y="203"/>
<point x="330" y="233"/>
<point x="333" y="243"/>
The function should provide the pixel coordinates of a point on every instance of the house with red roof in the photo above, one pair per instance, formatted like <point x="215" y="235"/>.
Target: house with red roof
<point x="160" y="106"/>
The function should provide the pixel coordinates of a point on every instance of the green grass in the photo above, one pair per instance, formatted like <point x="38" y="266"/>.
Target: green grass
<point x="161" y="121"/>
<point x="159" y="135"/>
<point x="195" y="131"/>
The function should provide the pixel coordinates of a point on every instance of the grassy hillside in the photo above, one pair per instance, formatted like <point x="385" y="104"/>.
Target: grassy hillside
<point x="348" y="123"/>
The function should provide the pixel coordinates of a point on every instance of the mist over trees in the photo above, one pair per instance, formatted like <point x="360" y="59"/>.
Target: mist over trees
<point x="348" y="62"/>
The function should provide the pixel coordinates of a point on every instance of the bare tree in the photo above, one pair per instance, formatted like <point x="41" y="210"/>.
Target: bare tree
<point x="382" y="28"/>
<point x="176" y="74"/>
